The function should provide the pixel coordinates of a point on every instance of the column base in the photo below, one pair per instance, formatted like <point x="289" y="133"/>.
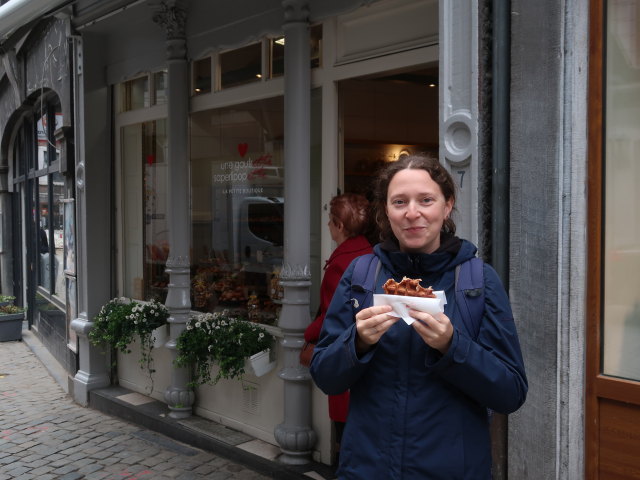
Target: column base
<point x="84" y="382"/>
<point x="180" y="402"/>
<point x="296" y="444"/>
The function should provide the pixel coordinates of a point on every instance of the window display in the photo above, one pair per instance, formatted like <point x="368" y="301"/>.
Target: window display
<point x="238" y="209"/>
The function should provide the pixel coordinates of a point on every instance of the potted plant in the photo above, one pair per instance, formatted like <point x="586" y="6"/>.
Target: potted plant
<point x="6" y="300"/>
<point x="11" y="318"/>
<point x="224" y="340"/>
<point x="121" y="321"/>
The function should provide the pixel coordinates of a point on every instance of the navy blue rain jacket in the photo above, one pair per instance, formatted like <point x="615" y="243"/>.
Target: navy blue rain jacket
<point x="415" y="413"/>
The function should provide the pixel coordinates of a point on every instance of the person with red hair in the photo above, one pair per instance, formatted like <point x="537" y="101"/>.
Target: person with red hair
<point x="348" y="224"/>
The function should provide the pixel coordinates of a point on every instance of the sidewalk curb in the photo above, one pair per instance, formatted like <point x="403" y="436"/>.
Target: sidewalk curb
<point x="154" y="416"/>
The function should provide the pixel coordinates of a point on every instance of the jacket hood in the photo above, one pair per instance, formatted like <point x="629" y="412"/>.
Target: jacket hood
<point x="452" y="252"/>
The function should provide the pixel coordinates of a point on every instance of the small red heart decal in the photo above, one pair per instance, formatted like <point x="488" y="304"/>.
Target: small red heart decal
<point x="242" y="149"/>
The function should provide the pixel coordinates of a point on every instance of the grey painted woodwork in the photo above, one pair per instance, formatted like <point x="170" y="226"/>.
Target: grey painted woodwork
<point x="295" y="435"/>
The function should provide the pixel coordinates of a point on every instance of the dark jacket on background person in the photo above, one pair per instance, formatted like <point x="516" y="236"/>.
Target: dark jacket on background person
<point x="416" y="413"/>
<point x="333" y="269"/>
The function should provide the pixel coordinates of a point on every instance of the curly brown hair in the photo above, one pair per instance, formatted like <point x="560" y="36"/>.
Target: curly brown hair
<point x="353" y="211"/>
<point x="425" y="162"/>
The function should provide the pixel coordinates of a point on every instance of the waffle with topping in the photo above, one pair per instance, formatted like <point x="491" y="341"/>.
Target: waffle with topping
<point x="407" y="287"/>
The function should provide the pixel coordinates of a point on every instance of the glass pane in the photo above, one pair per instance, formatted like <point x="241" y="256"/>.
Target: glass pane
<point x="134" y="94"/>
<point x="202" y="76"/>
<point x="316" y="46"/>
<point x="241" y="66"/>
<point x="57" y="223"/>
<point x="622" y="197"/>
<point x="43" y="143"/>
<point x="45" y="234"/>
<point x="160" y="83"/>
<point x="238" y="208"/>
<point x="145" y="228"/>
<point x="56" y="144"/>
<point x="277" y="57"/>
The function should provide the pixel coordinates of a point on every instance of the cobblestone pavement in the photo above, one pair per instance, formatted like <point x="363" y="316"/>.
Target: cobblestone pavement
<point x="45" y="435"/>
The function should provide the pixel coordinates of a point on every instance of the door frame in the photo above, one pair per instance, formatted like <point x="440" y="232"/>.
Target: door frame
<point x="598" y="386"/>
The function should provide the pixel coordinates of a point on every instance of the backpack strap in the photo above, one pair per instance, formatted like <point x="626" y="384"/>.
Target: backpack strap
<point x="363" y="280"/>
<point x="469" y="291"/>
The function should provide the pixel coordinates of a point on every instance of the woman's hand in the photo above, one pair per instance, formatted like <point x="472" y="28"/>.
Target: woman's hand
<point x="435" y="330"/>
<point x="371" y="324"/>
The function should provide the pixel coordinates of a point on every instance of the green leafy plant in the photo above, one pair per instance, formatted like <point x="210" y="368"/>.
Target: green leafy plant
<point x="6" y="299"/>
<point x="219" y="339"/>
<point x="120" y="322"/>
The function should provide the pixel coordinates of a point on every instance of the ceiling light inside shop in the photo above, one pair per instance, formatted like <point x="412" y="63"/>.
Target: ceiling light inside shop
<point x="279" y="41"/>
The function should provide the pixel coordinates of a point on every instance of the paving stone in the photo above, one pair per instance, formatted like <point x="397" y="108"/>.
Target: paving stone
<point x="44" y="435"/>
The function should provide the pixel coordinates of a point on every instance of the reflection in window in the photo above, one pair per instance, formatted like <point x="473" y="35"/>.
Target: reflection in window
<point x="240" y="66"/>
<point x="160" y="87"/>
<point x="202" y="76"/>
<point x="134" y="94"/>
<point x="57" y="223"/>
<point x="50" y="192"/>
<point x="622" y="197"/>
<point x="43" y="226"/>
<point x="145" y="229"/>
<point x="43" y="143"/>
<point x="238" y="208"/>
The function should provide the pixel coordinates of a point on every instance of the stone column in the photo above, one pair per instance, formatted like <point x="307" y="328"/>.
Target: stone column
<point x="459" y="107"/>
<point x="92" y="151"/>
<point x="295" y="436"/>
<point x="171" y="15"/>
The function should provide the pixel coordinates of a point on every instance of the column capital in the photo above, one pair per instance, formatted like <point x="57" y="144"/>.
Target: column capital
<point x="172" y="16"/>
<point x="295" y="11"/>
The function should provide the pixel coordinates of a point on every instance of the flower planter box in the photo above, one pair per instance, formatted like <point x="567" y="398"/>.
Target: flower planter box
<point x="160" y="336"/>
<point x="259" y="364"/>
<point x="11" y="327"/>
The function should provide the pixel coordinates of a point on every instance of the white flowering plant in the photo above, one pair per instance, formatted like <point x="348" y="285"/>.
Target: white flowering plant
<point x="120" y="321"/>
<point x="219" y="339"/>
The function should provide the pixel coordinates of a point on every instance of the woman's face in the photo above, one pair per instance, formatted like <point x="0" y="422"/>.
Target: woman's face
<point x="416" y="209"/>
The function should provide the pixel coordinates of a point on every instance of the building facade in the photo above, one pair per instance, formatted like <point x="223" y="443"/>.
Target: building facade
<point x="186" y="151"/>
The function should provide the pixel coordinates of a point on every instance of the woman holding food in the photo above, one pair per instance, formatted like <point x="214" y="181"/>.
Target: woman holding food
<point x="419" y="392"/>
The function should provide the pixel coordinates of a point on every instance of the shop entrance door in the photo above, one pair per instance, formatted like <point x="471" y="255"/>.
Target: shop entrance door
<point x="385" y="116"/>
<point x="612" y="416"/>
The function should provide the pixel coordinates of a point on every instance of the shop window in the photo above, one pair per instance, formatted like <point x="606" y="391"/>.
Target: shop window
<point x="277" y="51"/>
<point x="316" y="46"/>
<point x="241" y="66"/>
<point x="621" y="324"/>
<point x="238" y="208"/>
<point x="145" y="228"/>
<point x="202" y="76"/>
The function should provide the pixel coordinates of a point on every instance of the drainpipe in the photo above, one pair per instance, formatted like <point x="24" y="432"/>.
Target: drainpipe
<point x="16" y="13"/>
<point x="501" y="69"/>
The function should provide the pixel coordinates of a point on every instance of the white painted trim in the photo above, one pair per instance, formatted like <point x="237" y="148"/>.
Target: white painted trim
<point x="121" y="120"/>
<point x="237" y="95"/>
